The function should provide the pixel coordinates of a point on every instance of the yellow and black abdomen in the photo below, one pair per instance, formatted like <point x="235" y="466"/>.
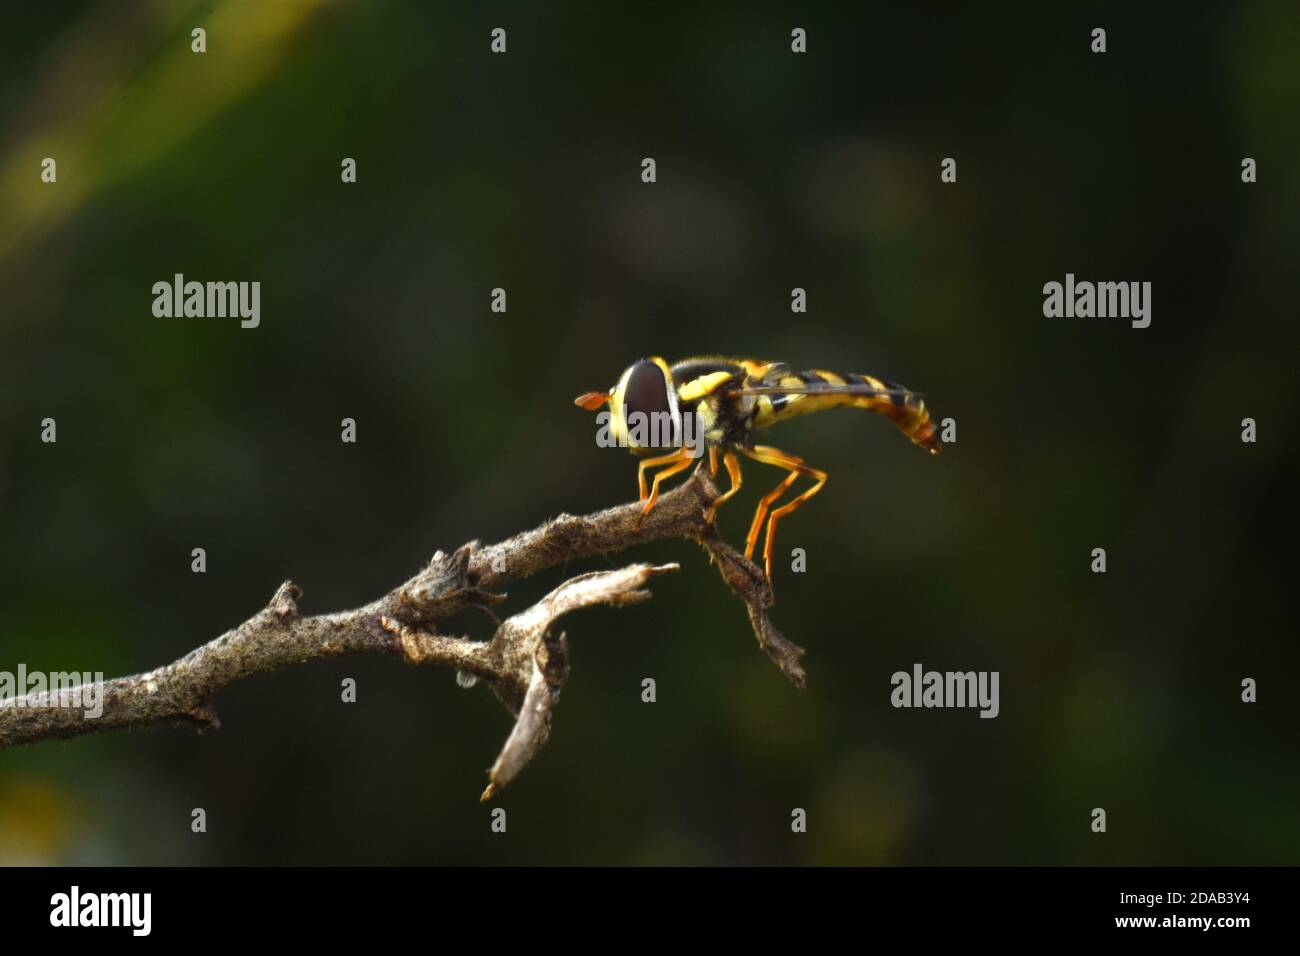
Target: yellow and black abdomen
<point x="820" y="390"/>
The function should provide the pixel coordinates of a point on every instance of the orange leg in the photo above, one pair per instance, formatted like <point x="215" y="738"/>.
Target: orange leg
<point x="772" y="456"/>
<point x="765" y="502"/>
<point x="784" y="510"/>
<point x="713" y="461"/>
<point x="679" y="462"/>
<point x="651" y="463"/>
<point x="733" y="470"/>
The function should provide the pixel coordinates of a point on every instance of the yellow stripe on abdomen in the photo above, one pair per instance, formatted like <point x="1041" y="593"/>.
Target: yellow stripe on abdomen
<point x="904" y="408"/>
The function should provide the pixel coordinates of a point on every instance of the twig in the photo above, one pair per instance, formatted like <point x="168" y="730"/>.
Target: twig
<point x="525" y="662"/>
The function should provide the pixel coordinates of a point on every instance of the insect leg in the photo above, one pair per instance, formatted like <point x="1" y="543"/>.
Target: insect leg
<point x="680" y="462"/>
<point x="760" y="453"/>
<point x="733" y="470"/>
<point x="713" y="462"/>
<point x="785" y="509"/>
<point x="773" y="456"/>
<point x="650" y="463"/>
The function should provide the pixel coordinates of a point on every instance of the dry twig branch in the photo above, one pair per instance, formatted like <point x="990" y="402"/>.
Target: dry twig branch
<point x="525" y="662"/>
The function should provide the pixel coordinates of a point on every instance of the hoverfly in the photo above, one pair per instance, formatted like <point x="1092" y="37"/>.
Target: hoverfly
<point x="730" y="399"/>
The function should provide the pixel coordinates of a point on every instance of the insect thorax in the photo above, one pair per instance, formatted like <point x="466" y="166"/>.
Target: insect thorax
<point x="723" y="420"/>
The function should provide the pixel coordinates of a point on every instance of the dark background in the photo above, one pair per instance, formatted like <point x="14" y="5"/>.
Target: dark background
<point x="775" y="170"/>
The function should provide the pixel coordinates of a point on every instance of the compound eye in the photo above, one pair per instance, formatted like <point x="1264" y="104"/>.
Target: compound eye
<point x="647" y="390"/>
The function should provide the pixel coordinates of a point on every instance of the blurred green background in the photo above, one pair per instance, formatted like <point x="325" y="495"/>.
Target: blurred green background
<point x="523" y="171"/>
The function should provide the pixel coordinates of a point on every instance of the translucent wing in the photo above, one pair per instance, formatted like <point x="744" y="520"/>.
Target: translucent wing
<point x="847" y="389"/>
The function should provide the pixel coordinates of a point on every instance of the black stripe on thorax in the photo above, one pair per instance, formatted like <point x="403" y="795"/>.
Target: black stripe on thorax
<point x="690" y="369"/>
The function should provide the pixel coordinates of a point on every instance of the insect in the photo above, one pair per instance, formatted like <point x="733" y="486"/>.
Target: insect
<point x="722" y="402"/>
